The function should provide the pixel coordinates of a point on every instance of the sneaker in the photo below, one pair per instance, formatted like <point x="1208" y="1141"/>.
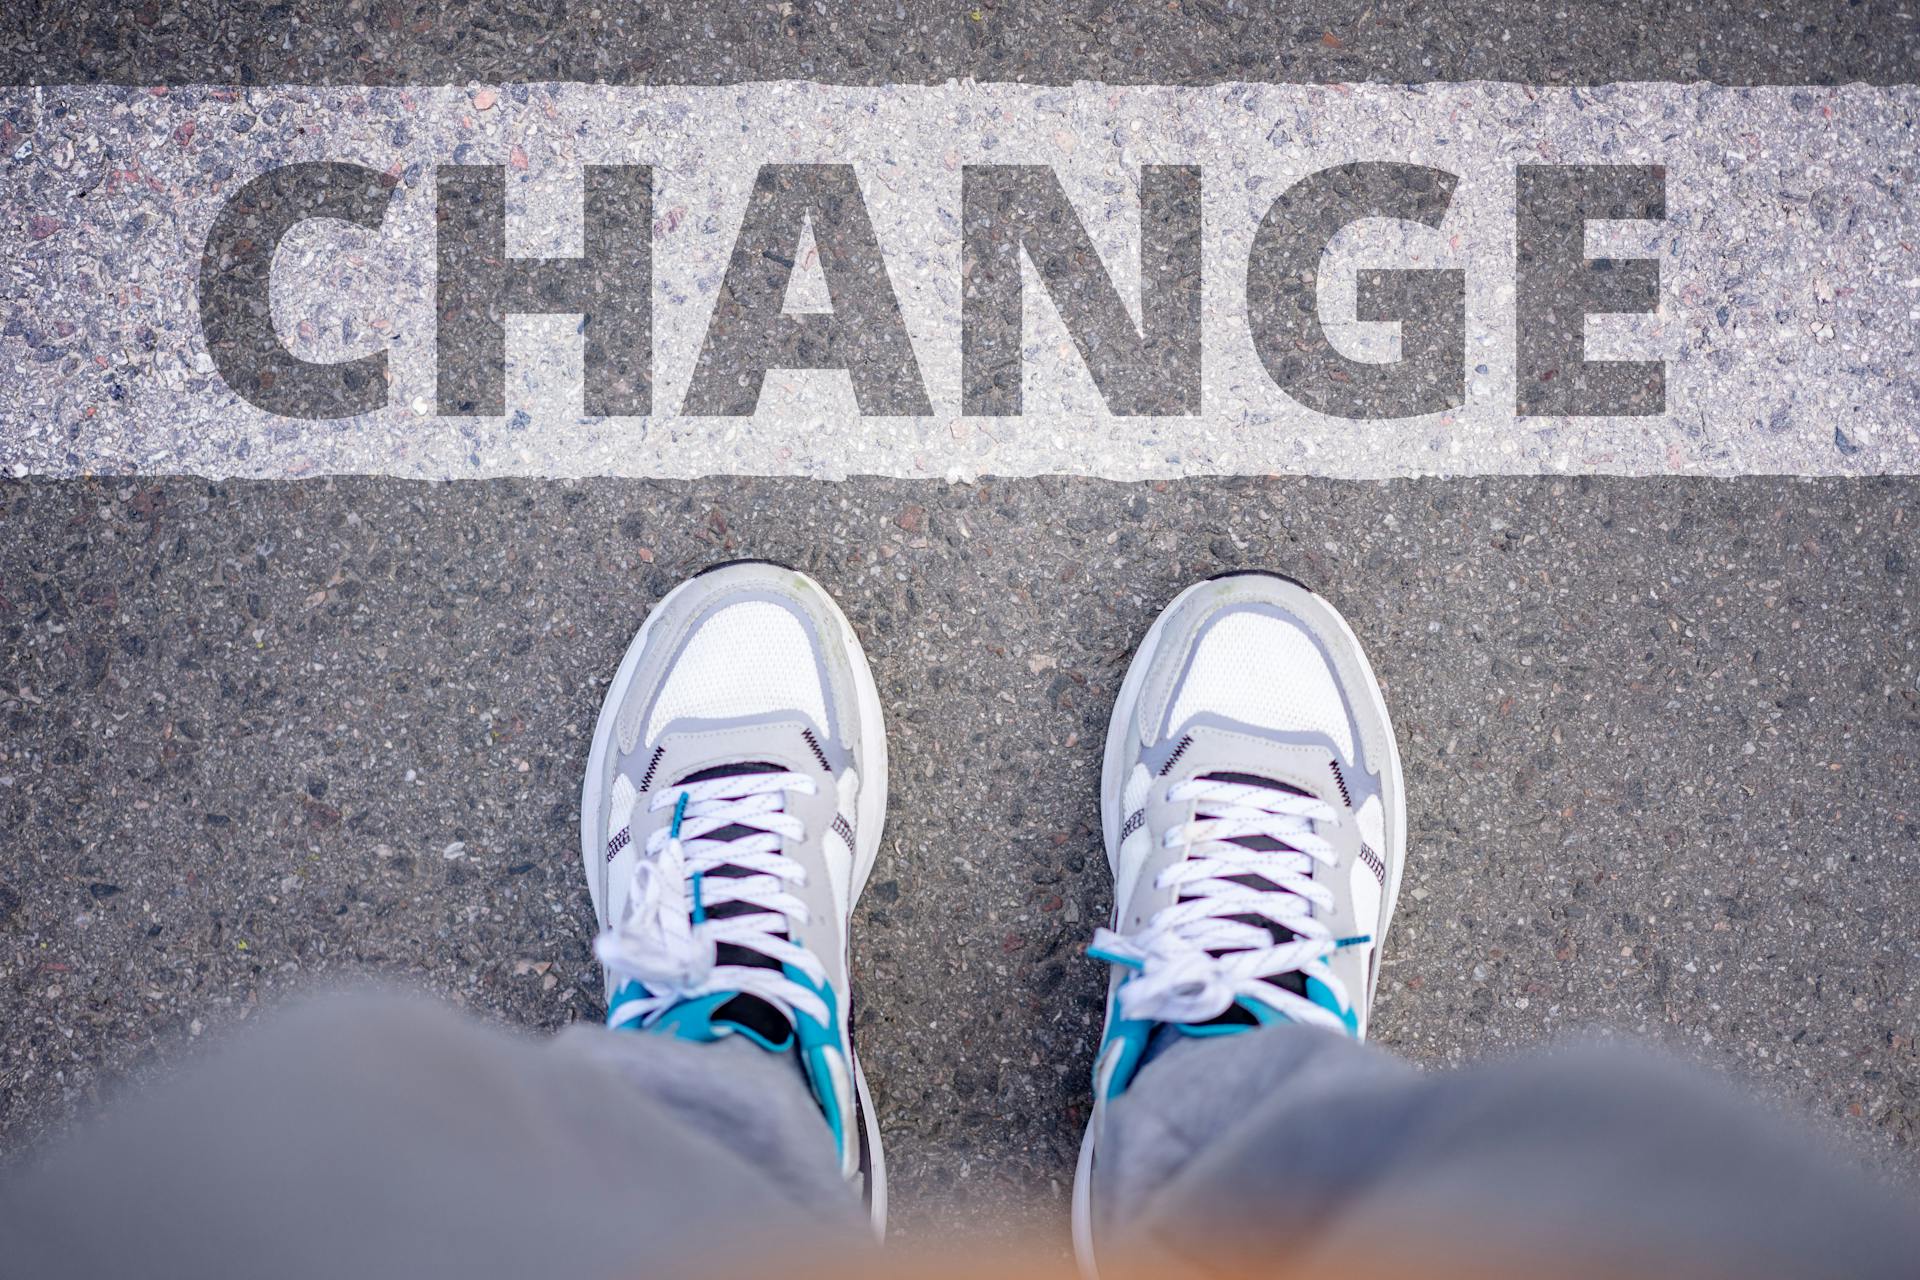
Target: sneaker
<point x="1255" y="825"/>
<point x="731" y="814"/>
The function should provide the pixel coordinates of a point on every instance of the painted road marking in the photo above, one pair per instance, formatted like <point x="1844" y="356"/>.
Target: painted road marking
<point x="1785" y="336"/>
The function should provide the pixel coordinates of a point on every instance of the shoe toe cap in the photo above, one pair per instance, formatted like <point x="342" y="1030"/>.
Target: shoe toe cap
<point x="1255" y="664"/>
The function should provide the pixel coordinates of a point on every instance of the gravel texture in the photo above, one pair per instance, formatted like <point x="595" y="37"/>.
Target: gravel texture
<point x="921" y="41"/>
<point x="1662" y="737"/>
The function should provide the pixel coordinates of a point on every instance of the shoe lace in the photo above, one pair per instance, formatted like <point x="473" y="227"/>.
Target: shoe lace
<point x="1216" y="944"/>
<point x="669" y="937"/>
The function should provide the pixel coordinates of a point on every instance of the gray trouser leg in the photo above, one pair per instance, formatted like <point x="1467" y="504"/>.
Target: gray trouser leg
<point x="1294" y="1143"/>
<point x="373" y="1135"/>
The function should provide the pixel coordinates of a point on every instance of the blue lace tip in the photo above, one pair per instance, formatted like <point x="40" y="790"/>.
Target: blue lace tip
<point x="679" y="814"/>
<point x="1357" y="940"/>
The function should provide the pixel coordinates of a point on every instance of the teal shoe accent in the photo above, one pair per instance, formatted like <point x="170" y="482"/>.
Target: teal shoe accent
<point x="627" y="990"/>
<point x="691" y="1020"/>
<point x="699" y="877"/>
<point x="820" y="1076"/>
<point x="1321" y="994"/>
<point x="818" y="1039"/>
<point x="813" y="1033"/>
<point x="1125" y="962"/>
<point x="1132" y="1035"/>
<point x="1263" y="1015"/>
<point x="1136" y="1033"/>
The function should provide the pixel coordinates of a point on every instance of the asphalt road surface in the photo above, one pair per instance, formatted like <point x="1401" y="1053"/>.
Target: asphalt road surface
<point x="1662" y="740"/>
<point x="1662" y="735"/>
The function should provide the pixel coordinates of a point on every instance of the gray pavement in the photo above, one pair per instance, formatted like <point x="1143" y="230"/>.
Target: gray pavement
<point x="927" y="41"/>
<point x="1662" y="736"/>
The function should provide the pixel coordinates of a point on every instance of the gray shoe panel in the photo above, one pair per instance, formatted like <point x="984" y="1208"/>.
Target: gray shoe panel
<point x="1183" y="630"/>
<point x="674" y="623"/>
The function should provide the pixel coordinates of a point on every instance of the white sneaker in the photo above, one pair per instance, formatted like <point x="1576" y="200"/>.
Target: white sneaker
<point x="730" y="817"/>
<point x="1255" y="825"/>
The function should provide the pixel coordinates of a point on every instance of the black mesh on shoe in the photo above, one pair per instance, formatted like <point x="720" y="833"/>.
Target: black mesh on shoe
<point x="749" y="1013"/>
<point x="1294" y="982"/>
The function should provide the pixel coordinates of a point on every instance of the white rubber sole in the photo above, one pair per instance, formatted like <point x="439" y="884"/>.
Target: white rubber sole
<point x="870" y="759"/>
<point x="1113" y="774"/>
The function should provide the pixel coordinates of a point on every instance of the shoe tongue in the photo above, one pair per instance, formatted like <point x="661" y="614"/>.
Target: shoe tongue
<point x="1294" y="982"/>
<point x="732" y="769"/>
<point x="750" y="1014"/>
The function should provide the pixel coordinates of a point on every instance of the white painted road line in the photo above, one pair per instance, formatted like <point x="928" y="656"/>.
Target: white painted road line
<point x="1787" y="330"/>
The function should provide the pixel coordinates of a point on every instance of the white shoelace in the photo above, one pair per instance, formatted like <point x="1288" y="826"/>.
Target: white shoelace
<point x="1177" y="979"/>
<point x="661" y="945"/>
